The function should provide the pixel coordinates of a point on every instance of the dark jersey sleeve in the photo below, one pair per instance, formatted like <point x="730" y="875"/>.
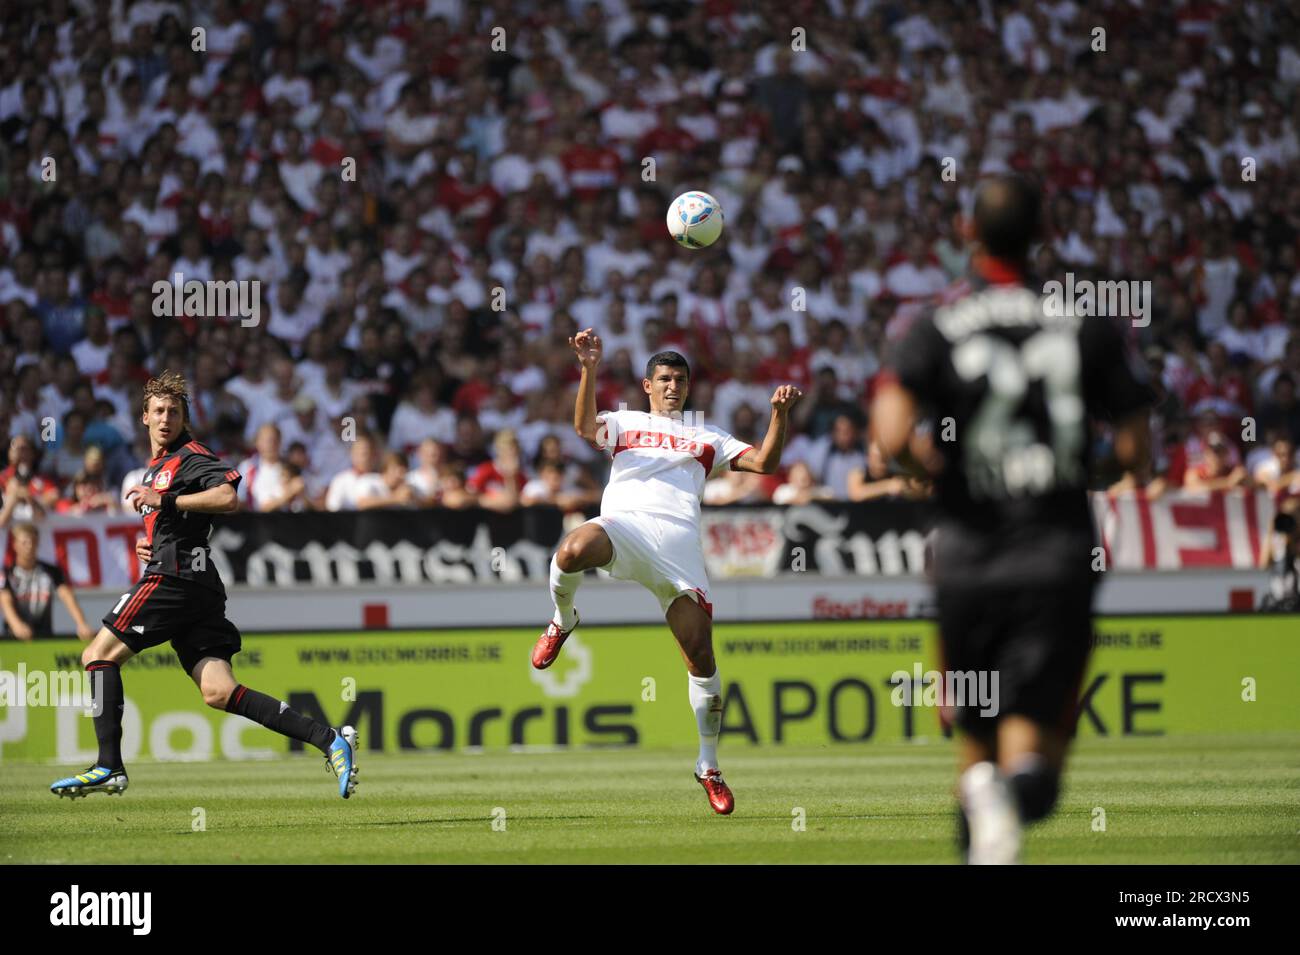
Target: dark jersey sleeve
<point x="1114" y="385"/>
<point x="917" y="359"/>
<point x="57" y="577"/>
<point x="203" y="471"/>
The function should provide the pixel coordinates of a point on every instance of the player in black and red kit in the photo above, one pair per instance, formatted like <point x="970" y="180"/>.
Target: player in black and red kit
<point x="1014" y="549"/>
<point x="180" y="598"/>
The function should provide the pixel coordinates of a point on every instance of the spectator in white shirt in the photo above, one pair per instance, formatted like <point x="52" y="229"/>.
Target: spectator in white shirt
<point x="278" y="404"/>
<point x="852" y="365"/>
<point x="1218" y="282"/>
<point x="335" y="393"/>
<point x="395" y="490"/>
<point x="299" y="171"/>
<point x="740" y="389"/>
<point x="157" y="222"/>
<point x="359" y="482"/>
<point x="503" y="411"/>
<point x="836" y="455"/>
<point x="778" y="205"/>
<point x="252" y="384"/>
<point x="421" y="417"/>
<point x="551" y="487"/>
<point x="270" y="482"/>
<point x="916" y="276"/>
<point x="516" y="170"/>
<point x="426" y="477"/>
<point x="292" y="317"/>
<point x="257" y="261"/>
<point x="286" y="83"/>
<point x="800" y="487"/>
<point x="627" y="120"/>
<point x="409" y="129"/>
<point x="402" y="256"/>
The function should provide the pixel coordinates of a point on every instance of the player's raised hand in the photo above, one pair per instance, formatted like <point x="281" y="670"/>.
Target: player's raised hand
<point x="588" y="347"/>
<point x="785" y="396"/>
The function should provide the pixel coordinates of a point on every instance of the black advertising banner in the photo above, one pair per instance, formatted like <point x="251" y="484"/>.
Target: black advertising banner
<point x="441" y="546"/>
<point x="434" y="546"/>
<point x="475" y="545"/>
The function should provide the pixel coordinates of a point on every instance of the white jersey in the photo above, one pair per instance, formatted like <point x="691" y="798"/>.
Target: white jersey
<point x="661" y="462"/>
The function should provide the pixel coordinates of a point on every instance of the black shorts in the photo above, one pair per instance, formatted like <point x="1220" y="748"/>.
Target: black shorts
<point x="160" y="608"/>
<point x="1036" y="639"/>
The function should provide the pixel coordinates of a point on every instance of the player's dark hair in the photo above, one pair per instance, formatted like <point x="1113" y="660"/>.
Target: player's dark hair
<point x="169" y="384"/>
<point x="1007" y="216"/>
<point x="669" y="359"/>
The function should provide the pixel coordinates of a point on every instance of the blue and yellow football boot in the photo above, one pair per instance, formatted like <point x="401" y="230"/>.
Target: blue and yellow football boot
<point x="96" y="779"/>
<point x="342" y="759"/>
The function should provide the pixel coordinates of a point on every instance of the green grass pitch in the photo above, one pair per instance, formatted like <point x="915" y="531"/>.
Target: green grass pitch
<point x="1190" y="800"/>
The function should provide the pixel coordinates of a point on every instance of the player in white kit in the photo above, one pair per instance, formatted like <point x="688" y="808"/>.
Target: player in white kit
<point x="649" y="524"/>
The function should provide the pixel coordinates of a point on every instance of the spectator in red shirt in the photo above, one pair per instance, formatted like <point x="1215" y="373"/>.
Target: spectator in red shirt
<point x="26" y="495"/>
<point x="591" y="168"/>
<point x="667" y="138"/>
<point x="1222" y="390"/>
<point x="1218" y="468"/>
<point x="329" y="149"/>
<point x="88" y="493"/>
<point x="787" y="362"/>
<point x="499" y="482"/>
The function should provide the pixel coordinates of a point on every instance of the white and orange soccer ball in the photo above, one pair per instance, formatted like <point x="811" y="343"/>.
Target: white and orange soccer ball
<point x="695" y="220"/>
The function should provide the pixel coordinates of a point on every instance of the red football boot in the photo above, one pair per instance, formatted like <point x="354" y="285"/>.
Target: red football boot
<point x="720" y="797"/>
<point x="548" y="644"/>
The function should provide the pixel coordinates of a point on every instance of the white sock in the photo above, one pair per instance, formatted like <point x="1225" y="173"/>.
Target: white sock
<point x="563" y="587"/>
<point x="706" y="700"/>
<point x="991" y="814"/>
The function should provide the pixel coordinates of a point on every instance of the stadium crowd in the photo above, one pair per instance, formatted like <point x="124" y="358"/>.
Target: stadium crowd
<point x="433" y="205"/>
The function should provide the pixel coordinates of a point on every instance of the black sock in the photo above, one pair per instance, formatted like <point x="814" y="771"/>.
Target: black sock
<point x="107" y="699"/>
<point x="1036" y="789"/>
<point x="277" y="716"/>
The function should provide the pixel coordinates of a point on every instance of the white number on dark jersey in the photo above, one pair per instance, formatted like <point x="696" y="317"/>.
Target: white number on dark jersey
<point x="1004" y="457"/>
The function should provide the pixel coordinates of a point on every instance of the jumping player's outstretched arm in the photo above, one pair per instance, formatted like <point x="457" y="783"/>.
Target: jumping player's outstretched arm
<point x="767" y="459"/>
<point x="588" y="347"/>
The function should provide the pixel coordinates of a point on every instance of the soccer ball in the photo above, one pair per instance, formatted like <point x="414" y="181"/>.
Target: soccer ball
<point x="695" y="220"/>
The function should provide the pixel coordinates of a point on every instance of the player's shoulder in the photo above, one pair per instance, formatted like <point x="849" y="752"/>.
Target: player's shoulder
<point x="621" y="413"/>
<point x="620" y="420"/>
<point x="193" y="449"/>
<point x="710" y="434"/>
<point x="194" y="454"/>
<point x="708" y="428"/>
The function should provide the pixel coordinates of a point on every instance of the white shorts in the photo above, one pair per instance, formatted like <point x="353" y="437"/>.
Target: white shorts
<point x="661" y="554"/>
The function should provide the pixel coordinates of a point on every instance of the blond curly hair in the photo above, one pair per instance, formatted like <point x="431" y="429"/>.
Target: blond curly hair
<point x="172" y="385"/>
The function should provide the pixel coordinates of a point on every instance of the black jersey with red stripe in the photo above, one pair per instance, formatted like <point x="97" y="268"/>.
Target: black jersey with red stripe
<point x="179" y="540"/>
